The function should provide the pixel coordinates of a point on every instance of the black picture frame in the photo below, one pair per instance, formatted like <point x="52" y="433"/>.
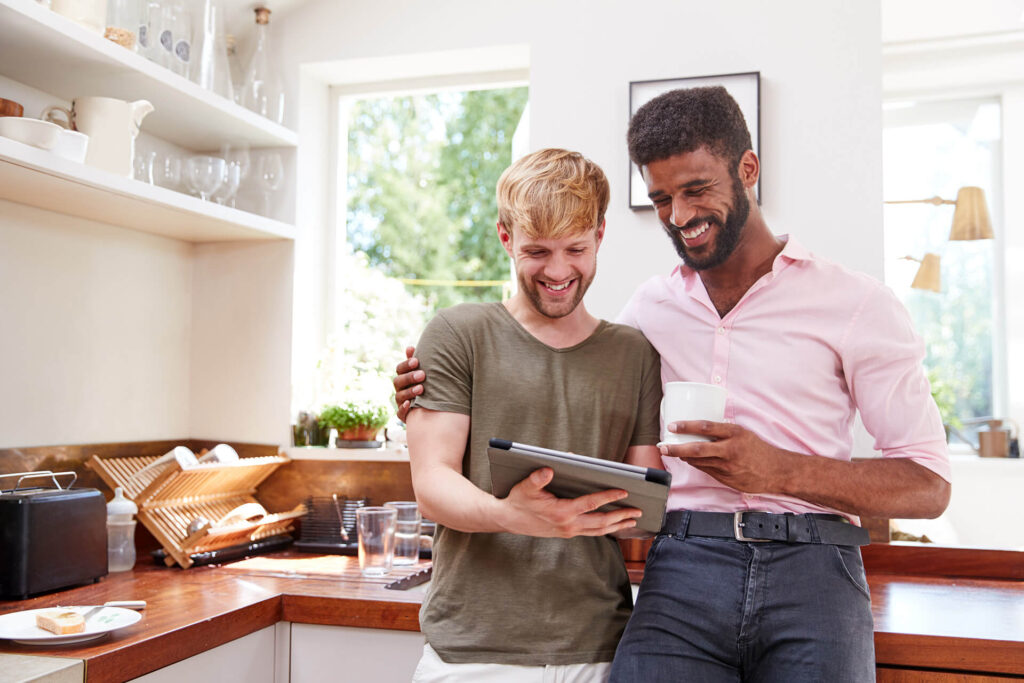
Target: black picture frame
<point x="744" y="87"/>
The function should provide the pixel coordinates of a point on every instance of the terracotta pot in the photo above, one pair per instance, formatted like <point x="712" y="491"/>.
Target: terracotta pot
<point x="360" y="433"/>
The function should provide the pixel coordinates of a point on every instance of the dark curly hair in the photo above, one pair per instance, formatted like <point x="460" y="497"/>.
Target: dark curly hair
<point x="681" y="121"/>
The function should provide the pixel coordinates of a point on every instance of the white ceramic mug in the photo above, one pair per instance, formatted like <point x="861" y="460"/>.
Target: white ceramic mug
<point x="690" y="401"/>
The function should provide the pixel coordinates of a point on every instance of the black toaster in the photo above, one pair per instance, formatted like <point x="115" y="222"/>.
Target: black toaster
<point x="50" y="538"/>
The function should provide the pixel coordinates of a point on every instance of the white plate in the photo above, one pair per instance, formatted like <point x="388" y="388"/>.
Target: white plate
<point x="21" y="626"/>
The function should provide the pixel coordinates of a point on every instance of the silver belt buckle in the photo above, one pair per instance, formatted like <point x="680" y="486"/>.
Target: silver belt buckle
<point x="737" y="528"/>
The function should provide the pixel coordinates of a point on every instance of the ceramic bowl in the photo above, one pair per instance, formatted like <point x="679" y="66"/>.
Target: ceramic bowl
<point x="71" y="145"/>
<point x="41" y="134"/>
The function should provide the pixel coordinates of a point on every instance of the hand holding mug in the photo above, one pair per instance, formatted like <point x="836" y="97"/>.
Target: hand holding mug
<point x="689" y="401"/>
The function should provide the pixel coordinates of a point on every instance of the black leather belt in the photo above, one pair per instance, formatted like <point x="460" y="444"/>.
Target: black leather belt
<point x="755" y="526"/>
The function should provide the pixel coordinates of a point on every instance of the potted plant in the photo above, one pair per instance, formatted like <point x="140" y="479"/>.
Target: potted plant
<point x="356" y="421"/>
<point x="376" y="318"/>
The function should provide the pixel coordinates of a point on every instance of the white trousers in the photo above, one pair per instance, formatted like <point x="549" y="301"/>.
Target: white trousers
<point x="433" y="669"/>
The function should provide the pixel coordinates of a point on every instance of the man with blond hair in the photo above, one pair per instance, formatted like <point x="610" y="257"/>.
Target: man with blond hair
<point x="530" y="587"/>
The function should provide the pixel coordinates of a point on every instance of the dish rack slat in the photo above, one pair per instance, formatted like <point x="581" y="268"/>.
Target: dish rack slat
<point x="170" y="497"/>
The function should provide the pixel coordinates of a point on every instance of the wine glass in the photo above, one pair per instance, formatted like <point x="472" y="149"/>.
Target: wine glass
<point x="237" y="152"/>
<point x="167" y="171"/>
<point x="225" y="194"/>
<point x="269" y="174"/>
<point x="204" y="174"/>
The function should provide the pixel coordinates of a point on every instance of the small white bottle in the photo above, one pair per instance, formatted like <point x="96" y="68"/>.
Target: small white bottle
<point x="120" y="533"/>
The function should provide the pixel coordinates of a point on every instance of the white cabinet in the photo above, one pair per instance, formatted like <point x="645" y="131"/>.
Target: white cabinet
<point x="255" y="658"/>
<point x="351" y="655"/>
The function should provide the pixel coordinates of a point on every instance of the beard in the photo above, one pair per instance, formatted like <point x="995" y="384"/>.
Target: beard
<point x="551" y="309"/>
<point x="727" y="234"/>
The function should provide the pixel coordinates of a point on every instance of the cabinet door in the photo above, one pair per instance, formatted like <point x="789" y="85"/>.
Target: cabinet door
<point x="341" y="654"/>
<point x="250" y="659"/>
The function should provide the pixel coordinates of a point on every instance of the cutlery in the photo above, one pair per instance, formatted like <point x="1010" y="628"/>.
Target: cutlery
<point x="127" y="604"/>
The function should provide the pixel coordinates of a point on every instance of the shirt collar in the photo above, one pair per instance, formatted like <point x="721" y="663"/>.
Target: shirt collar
<point x="792" y="251"/>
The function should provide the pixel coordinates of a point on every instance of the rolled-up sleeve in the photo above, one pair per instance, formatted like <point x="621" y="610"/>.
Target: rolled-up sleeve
<point x="882" y="359"/>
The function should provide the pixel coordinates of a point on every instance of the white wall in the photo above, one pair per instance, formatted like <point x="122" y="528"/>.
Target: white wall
<point x="913" y="20"/>
<point x="820" y="116"/>
<point x="95" y="324"/>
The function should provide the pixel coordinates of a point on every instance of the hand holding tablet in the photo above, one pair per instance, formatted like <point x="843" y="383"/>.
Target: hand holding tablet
<point x="578" y="475"/>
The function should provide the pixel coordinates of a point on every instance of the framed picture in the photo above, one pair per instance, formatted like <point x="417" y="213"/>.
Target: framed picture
<point x="745" y="89"/>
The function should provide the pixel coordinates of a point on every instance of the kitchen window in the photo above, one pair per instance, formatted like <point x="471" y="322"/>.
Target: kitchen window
<point x="933" y="148"/>
<point x="412" y="225"/>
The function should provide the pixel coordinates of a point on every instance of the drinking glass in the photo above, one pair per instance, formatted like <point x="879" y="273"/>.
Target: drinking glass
<point x="376" y="528"/>
<point x="204" y="174"/>
<point x="144" y="164"/>
<point x="225" y="194"/>
<point x="167" y="171"/>
<point x="269" y="173"/>
<point x="407" y="531"/>
<point x="237" y="151"/>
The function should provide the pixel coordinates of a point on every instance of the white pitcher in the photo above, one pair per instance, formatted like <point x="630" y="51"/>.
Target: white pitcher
<point x="111" y="125"/>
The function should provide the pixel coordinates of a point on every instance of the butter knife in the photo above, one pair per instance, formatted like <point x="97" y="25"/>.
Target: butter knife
<point x="127" y="604"/>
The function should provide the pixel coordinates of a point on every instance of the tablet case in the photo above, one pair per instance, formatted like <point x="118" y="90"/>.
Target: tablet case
<point x="577" y="475"/>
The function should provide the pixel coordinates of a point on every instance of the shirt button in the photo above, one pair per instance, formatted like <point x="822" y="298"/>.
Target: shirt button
<point x="718" y="379"/>
<point x="721" y="330"/>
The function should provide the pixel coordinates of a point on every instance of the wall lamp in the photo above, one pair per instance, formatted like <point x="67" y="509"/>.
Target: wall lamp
<point x="970" y="222"/>
<point x="970" y="217"/>
<point x="928" y="274"/>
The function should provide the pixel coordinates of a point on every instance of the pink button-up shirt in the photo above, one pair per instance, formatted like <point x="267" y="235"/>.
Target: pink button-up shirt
<point x="806" y="347"/>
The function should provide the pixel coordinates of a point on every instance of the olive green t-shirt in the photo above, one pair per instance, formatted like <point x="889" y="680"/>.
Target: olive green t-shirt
<point x="511" y="599"/>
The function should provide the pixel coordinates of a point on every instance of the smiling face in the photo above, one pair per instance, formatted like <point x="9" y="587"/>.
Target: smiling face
<point x="553" y="273"/>
<point x="701" y="203"/>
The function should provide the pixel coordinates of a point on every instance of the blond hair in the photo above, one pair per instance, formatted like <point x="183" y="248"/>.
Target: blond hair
<point x="552" y="193"/>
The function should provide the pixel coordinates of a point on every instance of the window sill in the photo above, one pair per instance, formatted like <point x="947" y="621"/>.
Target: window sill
<point x="390" y="452"/>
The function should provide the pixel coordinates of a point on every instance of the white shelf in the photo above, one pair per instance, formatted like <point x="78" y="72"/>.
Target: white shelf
<point x="39" y="178"/>
<point x="43" y="49"/>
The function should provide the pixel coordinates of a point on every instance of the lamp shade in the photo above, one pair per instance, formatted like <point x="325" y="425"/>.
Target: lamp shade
<point x="929" y="274"/>
<point x="970" y="218"/>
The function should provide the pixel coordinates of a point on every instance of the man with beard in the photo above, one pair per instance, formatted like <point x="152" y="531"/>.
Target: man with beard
<point x="757" y="574"/>
<point x="530" y="587"/>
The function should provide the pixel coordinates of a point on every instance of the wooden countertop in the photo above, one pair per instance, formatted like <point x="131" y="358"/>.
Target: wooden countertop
<point x="933" y="622"/>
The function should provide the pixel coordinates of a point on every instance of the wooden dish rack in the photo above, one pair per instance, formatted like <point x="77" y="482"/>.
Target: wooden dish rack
<point x="170" y="498"/>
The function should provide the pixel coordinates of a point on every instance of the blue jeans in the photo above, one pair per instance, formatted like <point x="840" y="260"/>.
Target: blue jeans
<point x="716" y="609"/>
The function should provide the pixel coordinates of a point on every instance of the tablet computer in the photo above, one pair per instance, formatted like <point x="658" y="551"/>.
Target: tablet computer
<point x="577" y="475"/>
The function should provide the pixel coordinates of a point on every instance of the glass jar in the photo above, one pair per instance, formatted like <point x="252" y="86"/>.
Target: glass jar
<point x="264" y="90"/>
<point x="123" y="22"/>
<point x="148" y="43"/>
<point x="175" y="37"/>
<point x="210" y="68"/>
<point x="234" y="67"/>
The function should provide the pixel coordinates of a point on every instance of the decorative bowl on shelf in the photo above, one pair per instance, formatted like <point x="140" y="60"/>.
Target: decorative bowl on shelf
<point x="71" y="145"/>
<point x="34" y="132"/>
<point x="10" y="108"/>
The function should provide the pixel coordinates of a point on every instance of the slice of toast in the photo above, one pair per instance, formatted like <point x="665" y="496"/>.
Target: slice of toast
<point x="60" y="622"/>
